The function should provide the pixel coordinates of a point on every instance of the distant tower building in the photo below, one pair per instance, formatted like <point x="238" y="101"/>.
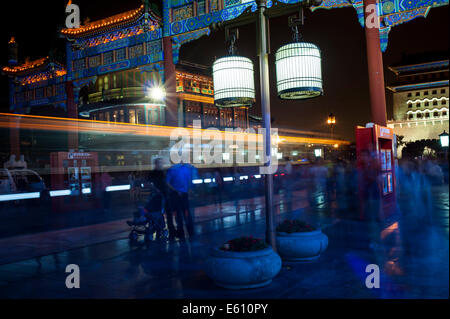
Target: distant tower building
<point x="12" y="52"/>
<point x="420" y="100"/>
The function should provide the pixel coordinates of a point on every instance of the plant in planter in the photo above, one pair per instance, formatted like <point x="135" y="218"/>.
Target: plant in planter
<point x="244" y="262"/>
<point x="299" y="241"/>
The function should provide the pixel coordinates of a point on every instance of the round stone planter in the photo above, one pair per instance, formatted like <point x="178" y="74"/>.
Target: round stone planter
<point x="306" y="246"/>
<point x="243" y="270"/>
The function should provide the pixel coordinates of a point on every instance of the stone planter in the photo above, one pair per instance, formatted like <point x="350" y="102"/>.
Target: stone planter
<point x="243" y="270"/>
<point x="306" y="246"/>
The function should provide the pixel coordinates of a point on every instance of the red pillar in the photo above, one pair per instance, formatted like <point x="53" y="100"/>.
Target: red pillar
<point x="170" y="83"/>
<point x="375" y="66"/>
<point x="72" y="112"/>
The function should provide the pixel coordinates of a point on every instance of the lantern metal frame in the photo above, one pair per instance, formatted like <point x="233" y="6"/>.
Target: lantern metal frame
<point x="247" y="94"/>
<point x="290" y="51"/>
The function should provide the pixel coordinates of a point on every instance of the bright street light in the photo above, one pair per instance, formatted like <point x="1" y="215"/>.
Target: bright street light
<point x="444" y="139"/>
<point x="156" y="93"/>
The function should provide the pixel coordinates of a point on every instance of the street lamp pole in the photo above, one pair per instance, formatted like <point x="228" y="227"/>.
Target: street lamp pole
<point x="263" y="54"/>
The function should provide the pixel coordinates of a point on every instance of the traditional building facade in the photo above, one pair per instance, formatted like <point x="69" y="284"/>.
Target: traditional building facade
<point x="420" y="96"/>
<point x="110" y="66"/>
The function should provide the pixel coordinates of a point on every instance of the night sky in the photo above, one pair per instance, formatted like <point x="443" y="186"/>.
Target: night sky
<point x="337" y="33"/>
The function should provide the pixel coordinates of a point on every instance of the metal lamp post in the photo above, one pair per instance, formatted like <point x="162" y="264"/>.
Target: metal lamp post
<point x="289" y="85"/>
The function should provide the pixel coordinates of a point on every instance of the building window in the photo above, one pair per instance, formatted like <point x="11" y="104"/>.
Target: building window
<point x="49" y="91"/>
<point x="427" y="104"/>
<point x="121" y="54"/>
<point x="39" y="93"/>
<point x="443" y="102"/>
<point x="409" y="105"/>
<point x="140" y="116"/>
<point x="435" y="114"/>
<point x="410" y="116"/>
<point x="213" y="5"/>
<point x="442" y="91"/>
<point x="444" y="113"/>
<point x="425" y="93"/>
<point x="79" y="65"/>
<point x="419" y="115"/>
<point x="135" y="51"/>
<point x="435" y="103"/>
<point x="108" y="57"/>
<point x="427" y="114"/>
<point x="418" y="104"/>
<point x="60" y="89"/>
<point x="434" y="92"/>
<point x="201" y="7"/>
<point x="107" y="117"/>
<point x="154" y="47"/>
<point x="409" y="94"/>
<point x="94" y="61"/>
<point x="132" y="116"/>
<point x="182" y="13"/>
<point x="417" y="93"/>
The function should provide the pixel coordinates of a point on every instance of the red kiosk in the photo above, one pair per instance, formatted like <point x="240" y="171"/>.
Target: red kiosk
<point x="73" y="178"/>
<point x="380" y="143"/>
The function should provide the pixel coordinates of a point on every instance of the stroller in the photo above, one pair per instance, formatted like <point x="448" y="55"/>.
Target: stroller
<point x="149" y="219"/>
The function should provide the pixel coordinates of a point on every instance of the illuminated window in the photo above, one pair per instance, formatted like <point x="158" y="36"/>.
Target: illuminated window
<point x="132" y="116"/>
<point x="122" y="116"/>
<point x="107" y="117"/>
<point x="182" y="13"/>
<point x="106" y="82"/>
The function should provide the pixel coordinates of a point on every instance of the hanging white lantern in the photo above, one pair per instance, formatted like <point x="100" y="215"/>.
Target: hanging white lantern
<point x="299" y="71"/>
<point x="234" y="84"/>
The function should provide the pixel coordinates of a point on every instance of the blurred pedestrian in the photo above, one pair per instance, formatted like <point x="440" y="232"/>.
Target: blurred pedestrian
<point x="179" y="181"/>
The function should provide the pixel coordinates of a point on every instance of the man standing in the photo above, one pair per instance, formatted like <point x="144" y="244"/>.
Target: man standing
<point x="179" y="180"/>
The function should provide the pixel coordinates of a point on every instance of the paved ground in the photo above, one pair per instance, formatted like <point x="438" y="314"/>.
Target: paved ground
<point x="411" y="248"/>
